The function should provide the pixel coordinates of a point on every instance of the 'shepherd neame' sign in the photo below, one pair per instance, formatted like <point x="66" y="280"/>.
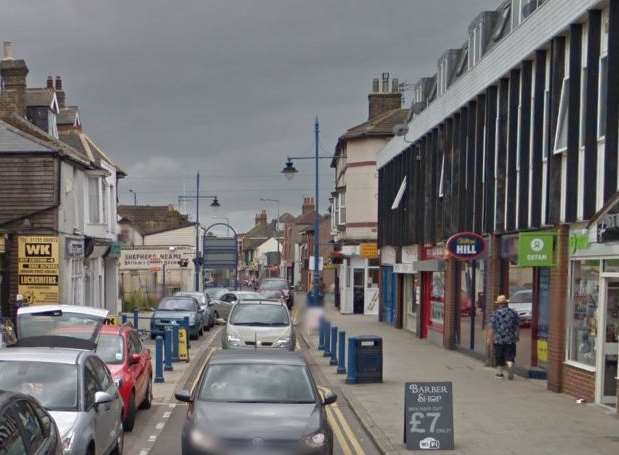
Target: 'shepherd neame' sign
<point x="428" y="416"/>
<point x="466" y="246"/>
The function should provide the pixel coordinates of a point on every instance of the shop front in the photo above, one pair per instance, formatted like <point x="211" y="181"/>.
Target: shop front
<point x="4" y="274"/>
<point x="431" y="268"/>
<point x="409" y="289"/>
<point x="592" y="347"/>
<point x="359" y="279"/>
<point x="388" y="285"/>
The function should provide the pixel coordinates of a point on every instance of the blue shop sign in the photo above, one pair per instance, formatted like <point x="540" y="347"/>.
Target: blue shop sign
<point x="466" y="246"/>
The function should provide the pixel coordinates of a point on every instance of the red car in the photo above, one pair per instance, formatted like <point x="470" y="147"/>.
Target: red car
<point x="130" y="363"/>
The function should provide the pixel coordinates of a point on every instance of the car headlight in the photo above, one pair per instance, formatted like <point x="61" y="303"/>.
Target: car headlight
<point x="67" y="441"/>
<point x="316" y="440"/>
<point x="234" y="340"/>
<point x="283" y="342"/>
<point x="203" y="441"/>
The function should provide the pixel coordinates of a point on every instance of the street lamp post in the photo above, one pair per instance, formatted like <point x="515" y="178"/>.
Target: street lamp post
<point x="135" y="197"/>
<point x="289" y="171"/>
<point x="276" y="201"/>
<point x="197" y="260"/>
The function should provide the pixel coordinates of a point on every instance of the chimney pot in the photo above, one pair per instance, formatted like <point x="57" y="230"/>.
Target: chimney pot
<point x="385" y="88"/>
<point x="395" y="85"/>
<point x="384" y="100"/>
<point x="375" y="85"/>
<point x="50" y="82"/>
<point x="58" y="83"/>
<point x="7" y="49"/>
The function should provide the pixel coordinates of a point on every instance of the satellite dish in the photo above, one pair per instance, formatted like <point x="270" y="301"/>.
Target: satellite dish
<point x="400" y="130"/>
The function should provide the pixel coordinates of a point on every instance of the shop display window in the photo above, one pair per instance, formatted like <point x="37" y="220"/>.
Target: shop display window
<point x="438" y="298"/>
<point x="582" y="318"/>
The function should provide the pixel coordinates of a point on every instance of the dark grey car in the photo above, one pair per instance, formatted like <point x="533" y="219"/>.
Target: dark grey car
<point x="256" y="403"/>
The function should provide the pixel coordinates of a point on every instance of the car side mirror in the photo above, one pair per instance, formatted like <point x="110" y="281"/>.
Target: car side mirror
<point x="103" y="397"/>
<point x="134" y="358"/>
<point x="184" y="396"/>
<point x="329" y="397"/>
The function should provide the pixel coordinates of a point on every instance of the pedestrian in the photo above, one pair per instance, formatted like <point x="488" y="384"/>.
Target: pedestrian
<point x="504" y="333"/>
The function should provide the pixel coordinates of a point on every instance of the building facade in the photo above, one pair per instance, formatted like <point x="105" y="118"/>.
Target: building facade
<point x="512" y="151"/>
<point x="354" y="202"/>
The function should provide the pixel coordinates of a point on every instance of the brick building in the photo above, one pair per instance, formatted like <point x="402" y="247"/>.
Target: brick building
<point x="506" y="182"/>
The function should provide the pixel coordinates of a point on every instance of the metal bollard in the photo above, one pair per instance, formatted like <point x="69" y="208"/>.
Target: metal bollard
<point x="341" y="356"/>
<point x="333" y="360"/>
<point x="136" y="319"/>
<point x="123" y="318"/>
<point x="167" y="349"/>
<point x="321" y="334"/>
<point x="159" y="360"/>
<point x="175" y="357"/>
<point x="186" y="322"/>
<point x="327" y="353"/>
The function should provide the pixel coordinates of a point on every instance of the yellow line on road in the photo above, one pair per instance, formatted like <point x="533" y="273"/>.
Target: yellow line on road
<point x="347" y="430"/>
<point x="338" y="432"/>
<point x="206" y="359"/>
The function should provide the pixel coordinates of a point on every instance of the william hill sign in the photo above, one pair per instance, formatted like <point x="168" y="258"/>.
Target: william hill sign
<point x="466" y="246"/>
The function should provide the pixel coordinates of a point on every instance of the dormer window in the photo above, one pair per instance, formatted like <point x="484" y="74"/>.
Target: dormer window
<point x="501" y="27"/>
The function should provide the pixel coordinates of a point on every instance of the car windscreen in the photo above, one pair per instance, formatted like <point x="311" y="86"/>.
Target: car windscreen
<point x="215" y="293"/>
<point x="177" y="305"/>
<point x="199" y="297"/>
<point x="250" y="296"/>
<point x="522" y="297"/>
<point x="274" y="285"/>
<point x="110" y="349"/>
<point x="257" y="314"/>
<point x="54" y="385"/>
<point x="257" y="383"/>
<point x="58" y="323"/>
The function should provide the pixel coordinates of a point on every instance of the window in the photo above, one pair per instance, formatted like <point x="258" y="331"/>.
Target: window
<point x="399" y="195"/>
<point x="583" y="104"/>
<point x="442" y="177"/>
<point x="437" y="298"/>
<point x="562" y="120"/>
<point x="11" y="442"/>
<point x="90" y="387"/>
<point x="502" y="23"/>
<point x="341" y="216"/>
<point x="603" y="95"/>
<point x="582" y="317"/>
<point x="102" y="375"/>
<point x="93" y="200"/>
<point x="77" y="274"/>
<point x="33" y="432"/>
<point x="105" y="203"/>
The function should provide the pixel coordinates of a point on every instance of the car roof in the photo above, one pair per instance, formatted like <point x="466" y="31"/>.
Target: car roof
<point x="261" y="302"/>
<point x="188" y="294"/>
<point x="110" y="329"/>
<point x="257" y="357"/>
<point x="46" y="355"/>
<point x="99" y="312"/>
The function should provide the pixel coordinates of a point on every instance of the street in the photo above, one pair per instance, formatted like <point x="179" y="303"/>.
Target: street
<point x="157" y="431"/>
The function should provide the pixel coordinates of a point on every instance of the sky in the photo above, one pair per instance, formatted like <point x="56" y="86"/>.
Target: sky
<point x="228" y="88"/>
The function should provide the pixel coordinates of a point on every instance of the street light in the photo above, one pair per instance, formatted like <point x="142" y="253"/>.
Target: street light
<point x="289" y="172"/>
<point x="135" y="197"/>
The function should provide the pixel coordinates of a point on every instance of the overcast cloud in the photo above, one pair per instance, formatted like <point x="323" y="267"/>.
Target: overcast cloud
<point x="227" y="87"/>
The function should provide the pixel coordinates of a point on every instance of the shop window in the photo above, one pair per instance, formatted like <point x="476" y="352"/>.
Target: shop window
<point x="561" y="135"/>
<point x="373" y="274"/>
<point x="611" y="265"/>
<point x="582" y="317"/>
<point x="438" y="298"/>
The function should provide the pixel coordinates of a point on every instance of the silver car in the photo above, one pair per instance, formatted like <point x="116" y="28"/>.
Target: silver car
<point x="224" y="302"/>
<point x="262" y="324"/>
<point x="76" y="388"/>
<point x="208" y="320"/>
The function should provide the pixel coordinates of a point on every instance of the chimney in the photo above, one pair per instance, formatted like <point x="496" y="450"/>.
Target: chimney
<point x="50" y="82"/>
<point x="13" y="73"/>
<point x="382" y="99"/>
<point x="261" y="218"/>
<point x="60" y="92"/>
<point x="308" y="205"/>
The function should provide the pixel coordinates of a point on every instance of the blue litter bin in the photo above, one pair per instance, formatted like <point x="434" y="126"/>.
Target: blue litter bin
<point x="365" y="360"/>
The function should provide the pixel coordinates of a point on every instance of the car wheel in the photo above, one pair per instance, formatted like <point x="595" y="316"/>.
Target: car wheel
<point x="91" y="449"/>
<point x="148" y="398"/>
<point x="129" y="420"/>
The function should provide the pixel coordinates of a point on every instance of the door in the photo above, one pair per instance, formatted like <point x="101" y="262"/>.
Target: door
<point x="388" y="294"/>
<point x="138" y="370"/>
<point x="106" y="415"/>
<point x="409" y="300"/>
<point x="426" y="295"/>
<point x="358" y="284"/>
<point x="609" y="337"/>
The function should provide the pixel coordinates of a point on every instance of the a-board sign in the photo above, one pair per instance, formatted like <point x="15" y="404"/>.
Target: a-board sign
<point x="428" y="416"/>
<point x="183" y="352"/>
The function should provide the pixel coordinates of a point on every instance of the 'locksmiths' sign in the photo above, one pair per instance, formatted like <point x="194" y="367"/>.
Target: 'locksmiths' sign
<point x="38" y="268"/>
<point x="466" y="246"/>
<point x="428" y="416"/>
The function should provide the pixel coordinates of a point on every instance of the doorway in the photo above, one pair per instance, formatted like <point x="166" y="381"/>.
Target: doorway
<point x="609" y="340"/>
<point x="358" y="284"/>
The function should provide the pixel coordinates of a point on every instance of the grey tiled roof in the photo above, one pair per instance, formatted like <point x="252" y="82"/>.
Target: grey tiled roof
<point x="39" y="97"/>
<point x="14" y="140"/>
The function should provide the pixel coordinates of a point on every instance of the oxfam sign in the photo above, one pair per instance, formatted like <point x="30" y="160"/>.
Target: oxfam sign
<point x="466" y="246"/>
<point x="536" y="249"/>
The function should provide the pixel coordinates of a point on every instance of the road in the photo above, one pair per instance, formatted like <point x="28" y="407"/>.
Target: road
<point x="158" y="430"/>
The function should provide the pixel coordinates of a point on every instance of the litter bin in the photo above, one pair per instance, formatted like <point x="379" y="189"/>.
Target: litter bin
<point x="365" y="360"/>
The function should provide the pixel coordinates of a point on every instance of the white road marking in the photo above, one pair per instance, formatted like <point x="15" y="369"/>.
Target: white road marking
<point x="160" y="426"/>
<point x="152" y="438"/>
<point x="144" y="452"/>
<point x="167" y="414"/>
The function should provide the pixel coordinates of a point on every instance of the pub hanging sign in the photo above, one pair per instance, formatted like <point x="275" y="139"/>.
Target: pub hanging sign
<point x="466" y="246"/>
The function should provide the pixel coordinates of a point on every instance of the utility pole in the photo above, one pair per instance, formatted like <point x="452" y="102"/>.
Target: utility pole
<point x="316" y="274"/>
<point x="197" y="258"/>
<point x="135" y="197"/>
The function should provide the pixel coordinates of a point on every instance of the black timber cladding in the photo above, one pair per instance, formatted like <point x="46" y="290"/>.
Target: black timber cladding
<point x="573" y="131"/>
<point x="537" y="147"/>
<point x="591" y="111"/>
<point x="557" y="70"/>
<point x="501" y="154"/>
<point x="479" y="164"/>
<point x="525" y="144"/>
<point x="470" y="168"/>
<point x="512" y="149"/>
<point x="489" y="158"/>
<point x="612" y="102"/>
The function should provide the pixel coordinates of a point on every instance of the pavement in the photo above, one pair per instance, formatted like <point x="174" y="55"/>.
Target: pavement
<point x="491" y="416"/>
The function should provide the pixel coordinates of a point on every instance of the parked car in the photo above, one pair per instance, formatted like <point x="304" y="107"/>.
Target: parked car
<point x="261" y="401"/>
<point x="77" y="390"/>
<point x="262" y="324"/>
<point x="26" y="428"/>
<point x="130" y="364"/>
<point x="225" y="302"/>
<point x="203" y="299"/>
<point x="215" y="293"/>
<point x="173" y="311"/>
<point x="522" y="303"/>
<point x="277" y="288"/>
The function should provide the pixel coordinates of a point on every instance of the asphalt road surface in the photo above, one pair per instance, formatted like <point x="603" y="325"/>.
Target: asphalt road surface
<point x="158" y="430"/>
